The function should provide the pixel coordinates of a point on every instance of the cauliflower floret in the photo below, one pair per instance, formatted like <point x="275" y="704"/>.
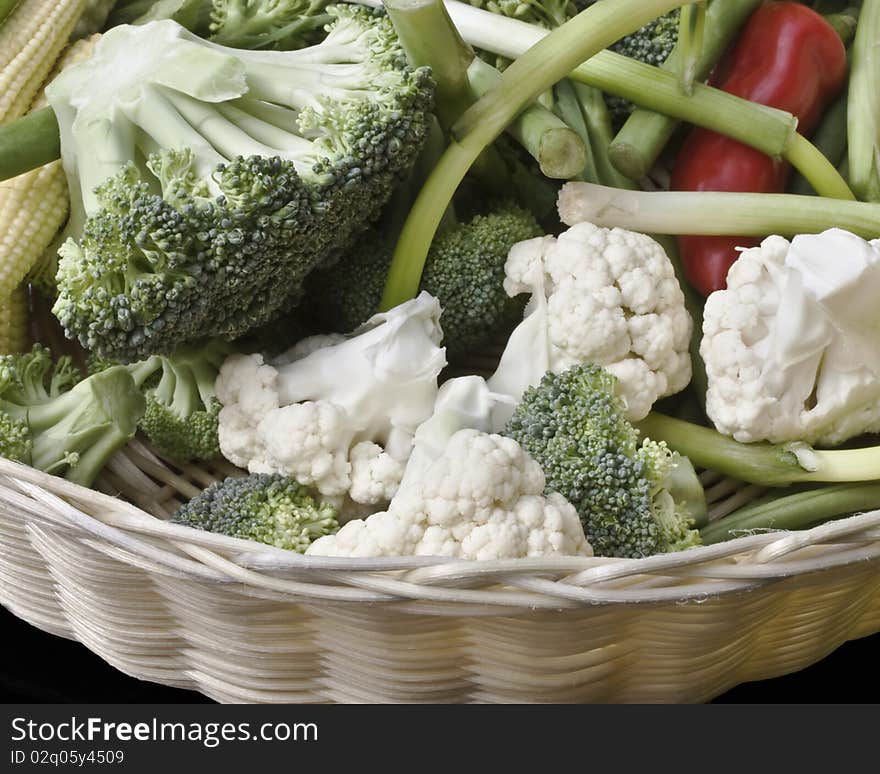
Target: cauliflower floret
<point x="337" y="412"/>
<point x="375" y="474"/>
<point x="482" y="498"/>
<point x="789" y="347"/>
<point x="603" y="296"/>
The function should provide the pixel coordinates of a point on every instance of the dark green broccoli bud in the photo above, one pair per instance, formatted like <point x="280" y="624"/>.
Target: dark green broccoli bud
<point x="271" y="509"/>
<point x="546" y="13"/>
<point x="182" y="411"/>
<point x="259" y="167"/>
<point x="633" y="499"/>
<point x="54" y="422"/>
<point x="464" y="271"/>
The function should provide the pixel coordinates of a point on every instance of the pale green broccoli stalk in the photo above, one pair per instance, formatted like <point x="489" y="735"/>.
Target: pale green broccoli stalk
<point x="209" y="232"/>
<point x="271" y="509"/>
<point x="195" y="15"/>
<point x="634" y="499"/>
<point x="55" y="423"/>
<point x="182" y="410"/>
<point x="464" y="271"/>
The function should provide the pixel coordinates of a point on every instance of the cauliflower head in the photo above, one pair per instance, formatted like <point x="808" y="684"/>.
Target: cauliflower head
<point x="482" y="498"/>
<point x="603" y="296"/>
<point x="790" y="346"/>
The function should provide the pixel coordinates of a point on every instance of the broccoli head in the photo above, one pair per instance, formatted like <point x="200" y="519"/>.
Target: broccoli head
<point x="633" y="499"/>
<point x="267" y="508"/>
<point x="464" y="271"/>
<point x="54" y="422"/>
<point x="182" y="411"/>
<point x="204" y="190"/>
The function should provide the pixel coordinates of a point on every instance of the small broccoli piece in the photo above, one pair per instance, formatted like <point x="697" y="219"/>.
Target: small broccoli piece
<point x="232" y="175"/>
<point x="633" y="499"/>
<point x="267" y="508"/>
<point x="464" y="271"/>
<point x="54" y="422"/>
<point x="182" y="411"/>
<point x="546" y="13"/>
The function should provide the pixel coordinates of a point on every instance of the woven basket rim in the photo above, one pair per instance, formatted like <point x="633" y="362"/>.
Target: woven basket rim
<point x="743" y="564"/>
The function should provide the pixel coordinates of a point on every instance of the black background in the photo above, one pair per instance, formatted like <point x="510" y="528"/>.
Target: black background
<point x="45" y="668"/>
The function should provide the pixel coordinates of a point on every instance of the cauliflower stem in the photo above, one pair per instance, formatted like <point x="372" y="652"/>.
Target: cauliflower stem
<point x="762" y="463"/>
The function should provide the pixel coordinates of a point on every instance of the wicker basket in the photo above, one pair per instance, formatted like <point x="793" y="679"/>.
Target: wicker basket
<point x="245" y="623"/>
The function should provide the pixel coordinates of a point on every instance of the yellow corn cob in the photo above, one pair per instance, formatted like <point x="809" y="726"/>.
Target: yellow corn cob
<point x="31" y="39"/>
<point x="33" y="207"/>
<point x="13" y="322"/>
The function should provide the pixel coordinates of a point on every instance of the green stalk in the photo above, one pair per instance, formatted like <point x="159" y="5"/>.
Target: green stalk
<point x="863" y="122"/>
<point x="545" y="63"/>
<point x="28" y="143"/>
<point x="6" y="8"/>
<point x="715" y="213"/>
<point x="797" y="511"/>
<point x="598" y="119"/>
<point x="829" y="139"/>
<point x="568" y="107"/>
<point x="761" y="463"/>
<point x="691" y="39"/>
<point x="558" y="149"/>
<point x="443" y="51"/>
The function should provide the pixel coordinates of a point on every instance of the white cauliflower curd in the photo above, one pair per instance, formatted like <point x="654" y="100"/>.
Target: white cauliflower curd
<point x="482" y="498"/>
<point x="603" y="296"/>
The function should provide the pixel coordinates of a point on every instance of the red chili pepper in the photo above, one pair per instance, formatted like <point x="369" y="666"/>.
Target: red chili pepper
<point x="788" y="57"/>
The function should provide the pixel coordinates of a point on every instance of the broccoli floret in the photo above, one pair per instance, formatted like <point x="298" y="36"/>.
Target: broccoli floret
<point x="633" y="499"/>
<point x="268" y="508"/>
<point x="214" y="184"/>
<point x="464" y="271"/>
<point x="53" y="422"/>
<point x="279" y="24"/>
<point x="182" y="411"/>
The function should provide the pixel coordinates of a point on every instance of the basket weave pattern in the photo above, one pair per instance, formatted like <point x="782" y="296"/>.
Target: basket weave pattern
<point x="245" y="623"/>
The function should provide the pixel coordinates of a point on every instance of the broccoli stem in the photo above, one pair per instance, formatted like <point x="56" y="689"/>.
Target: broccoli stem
<point x="829" y="139"/>
<point x="558" y="149"/>
<point x="691" y="39"/>
<point x="28" y="143"/>
<point x="863" y="121"/>
<point x="761" y="463"/>
<point x="797" y="511"/>
<point x="645" y="134"/>
<point x="719" y="213"/>
<point x="80" y="429"/>
<point x="548" y="61"/>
